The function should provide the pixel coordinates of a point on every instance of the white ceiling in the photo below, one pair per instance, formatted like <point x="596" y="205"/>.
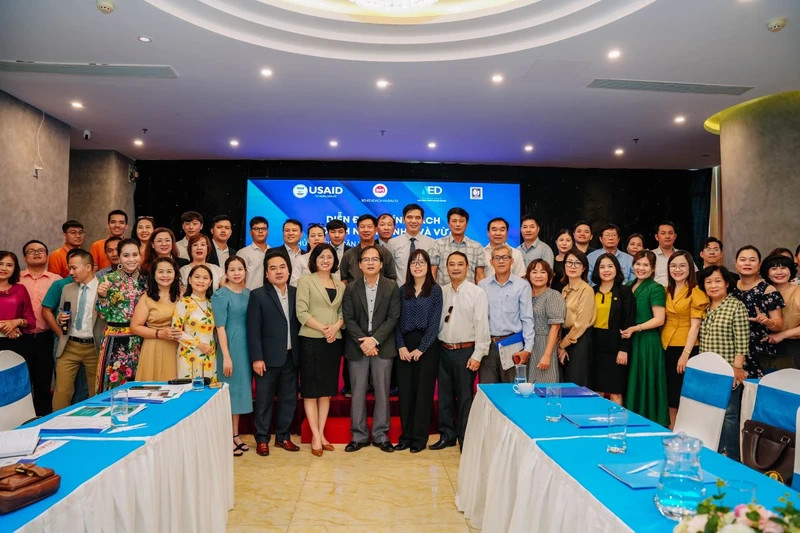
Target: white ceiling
<point x="219" y="93"/>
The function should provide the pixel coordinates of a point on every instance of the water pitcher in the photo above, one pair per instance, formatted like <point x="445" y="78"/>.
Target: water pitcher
<point x="680" y="487"/>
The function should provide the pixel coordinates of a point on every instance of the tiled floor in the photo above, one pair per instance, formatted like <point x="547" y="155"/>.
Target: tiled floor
<point x="368" y="490"/>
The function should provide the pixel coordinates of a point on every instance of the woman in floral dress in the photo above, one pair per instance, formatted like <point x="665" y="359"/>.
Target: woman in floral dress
<point x="195" y="317"/>
<point x="117" y="296"/>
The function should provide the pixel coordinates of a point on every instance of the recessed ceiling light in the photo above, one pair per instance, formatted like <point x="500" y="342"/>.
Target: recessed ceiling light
<point x="431" y="145"/>
<point x="266" y="72"/>
<point x="382" y="84"/>
<point x="234" y="143"/>
<point x="138" y="142"/>
<point x="619" y="151"/>
<point x="529" y="148"/>
<point x="333" y="143"/>
<point x="77" y="105"/>
<point x="614" y="54"/>
<point x="497" y="78"/>
<point x="680" y="119"/>
<point x="145" y="39"/>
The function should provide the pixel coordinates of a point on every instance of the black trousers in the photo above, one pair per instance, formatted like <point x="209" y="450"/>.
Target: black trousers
<point x="280" y="381"/>
<point x="417" y="380"/>
<point x="455" y="392"/>
<point x="40" y="367"/>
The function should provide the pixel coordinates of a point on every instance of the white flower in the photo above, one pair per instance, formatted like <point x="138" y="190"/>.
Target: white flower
<point x="697" y="523"/>
<point x="737" y="528"/>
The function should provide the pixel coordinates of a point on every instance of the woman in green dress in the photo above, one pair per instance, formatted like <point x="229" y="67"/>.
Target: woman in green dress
<point x="647" y="381"/>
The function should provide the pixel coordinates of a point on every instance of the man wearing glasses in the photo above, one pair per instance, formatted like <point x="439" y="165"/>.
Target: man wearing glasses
<point x="712" y="254"/>
<point x="371" y="309"/>
<point x="498" y="234"/>
<point x="350" y="265"/>
<point x="464" y="338"/>
<point x="510" y="312"/>
<point x="73" y="238"/>
<point x="253" y="255"/>
<point x="37" y="280"/>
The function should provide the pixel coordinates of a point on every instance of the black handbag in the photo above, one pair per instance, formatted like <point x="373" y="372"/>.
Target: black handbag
<point x="769" y="450"/>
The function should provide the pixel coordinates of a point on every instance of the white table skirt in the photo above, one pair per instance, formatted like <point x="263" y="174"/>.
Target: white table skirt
<point x="507" y="484"/>
<point x="180" y="480"/>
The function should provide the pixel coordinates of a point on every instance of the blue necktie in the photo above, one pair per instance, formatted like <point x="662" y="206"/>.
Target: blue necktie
<point x="81" y="306"/>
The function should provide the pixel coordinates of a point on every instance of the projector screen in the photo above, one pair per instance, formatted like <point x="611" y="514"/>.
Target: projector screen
<point x="314" y="200"/>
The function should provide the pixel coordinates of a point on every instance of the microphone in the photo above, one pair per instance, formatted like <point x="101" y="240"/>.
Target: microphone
<point x="67" y="309"/>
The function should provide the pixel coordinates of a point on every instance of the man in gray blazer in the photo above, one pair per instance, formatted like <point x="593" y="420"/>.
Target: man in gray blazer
<point x="371" y="309"/>
<point x="80" y="345"/>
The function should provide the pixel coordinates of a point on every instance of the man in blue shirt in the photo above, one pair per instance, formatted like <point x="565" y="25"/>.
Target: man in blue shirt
<point x="609" y="238"/>
<point x="510" y="312"/>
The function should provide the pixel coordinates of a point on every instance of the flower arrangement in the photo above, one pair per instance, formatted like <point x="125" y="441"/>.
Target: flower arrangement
<point x="713" y="517"/>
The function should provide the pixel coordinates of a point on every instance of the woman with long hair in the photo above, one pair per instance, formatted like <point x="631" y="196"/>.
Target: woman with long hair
<point x="634" y="244"/>
<point x="16" y="310"/>
<point x="162" y="244"/>
<point x="194" y="316"/>
<point x="564" y="243"/>
<point x="575" y="348"/>
<point x="199" y="246"/>
<point x="142" y="232"/>
<point x="779" y="271"/>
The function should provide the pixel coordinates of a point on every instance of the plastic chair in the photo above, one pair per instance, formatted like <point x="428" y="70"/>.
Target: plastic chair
<point x="704" y="397"/>
<point x="16" y="401"/>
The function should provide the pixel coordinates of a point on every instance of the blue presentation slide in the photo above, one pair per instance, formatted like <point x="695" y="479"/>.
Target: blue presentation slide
<point x="315" y="200"/>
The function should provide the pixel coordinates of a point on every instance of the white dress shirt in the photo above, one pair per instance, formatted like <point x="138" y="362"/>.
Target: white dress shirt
<point x="183" y="248"/>
<point x="400" y="247"/>
<point x="86" y="330"/>
<point x="284" y="299"/>
<point x="296" y="257"/>
<point x="254" y="259"/>
<point x="517" y="269"/>
<point x="222" y="255"/>
<point x="216" y="274"/>
<point x="469" y="319"/>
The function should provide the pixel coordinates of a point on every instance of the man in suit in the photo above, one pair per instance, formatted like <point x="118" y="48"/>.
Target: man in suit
<point x="272" y="329"/>
<point x="220" y="233"/>
<point x="80" y="346"/>
<point x="350" y="266"/>
<point x="371" y="309"/>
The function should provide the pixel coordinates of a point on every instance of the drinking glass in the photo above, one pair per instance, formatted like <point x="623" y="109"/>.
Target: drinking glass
<point x="552" y="409"/>
<point x="119" y="407"/>
<point x="617" y="429"/>
<point x="521" y="374"/>
<point x="197" y="376"/>
<point x="737" y="491"/>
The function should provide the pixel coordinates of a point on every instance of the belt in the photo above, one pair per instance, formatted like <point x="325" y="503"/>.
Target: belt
<point x="119" y="324"/>
<point x="501" y="337"/>
<point x="90" y="340"/>
<point x="458" y="345"/>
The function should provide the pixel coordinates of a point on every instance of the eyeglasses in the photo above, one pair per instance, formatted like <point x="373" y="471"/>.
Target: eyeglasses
<point x="38" y="251"/>
<point x="674" y="266"/>
<point x="370" y="259"/>
<point x="418" y="263"/>
<point x="258" y="228"/>
<point x="573" y="264"/>
<point x="75" y="232"/>
<point x="449" y="311"/>
<point x="501" y="258"/>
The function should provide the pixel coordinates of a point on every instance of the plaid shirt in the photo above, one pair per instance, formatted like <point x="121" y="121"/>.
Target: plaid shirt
<point x="726" y="330"/>
<point x="445" y="246"/>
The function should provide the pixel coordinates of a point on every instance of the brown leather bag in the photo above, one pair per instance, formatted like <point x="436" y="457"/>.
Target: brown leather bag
<point x="23" y="484"/>
<point x="769" y="449"/>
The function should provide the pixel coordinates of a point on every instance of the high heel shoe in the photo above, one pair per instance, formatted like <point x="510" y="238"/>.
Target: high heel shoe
<point x="328" y="447"/>
<point x="316" y="453"/>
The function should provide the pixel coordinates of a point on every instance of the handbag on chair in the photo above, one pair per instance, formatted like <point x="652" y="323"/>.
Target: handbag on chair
<point x="769" y="450"/>
<point x="23" y="484"/>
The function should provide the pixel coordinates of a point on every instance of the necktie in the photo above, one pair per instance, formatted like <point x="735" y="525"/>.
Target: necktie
<point x="413" y="246"/>
<point x="81" y="306"/>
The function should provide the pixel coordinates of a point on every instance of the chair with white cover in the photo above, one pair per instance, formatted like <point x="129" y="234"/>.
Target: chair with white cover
<point x="16" y="401"/>
<point x="778" y="398"/>
<point x="796" y="476"/>
<point x="706" y="390"/>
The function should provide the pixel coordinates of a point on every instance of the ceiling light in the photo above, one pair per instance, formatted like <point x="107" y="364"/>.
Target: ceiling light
<point x="145" y="39"/>
<point x="234" y="143"/>
<point x="333" y="143"/>
<point x="529" y="148"/>
<point x="382" y="84"/>
<point x="392" y="5"/>
<point x="680" y="119"/>
<point x="138" y="142"/>
<point x="619" y="151"/>
<point x="431" y="145"/>
<point x="77" y="105"/>
<point x="497" y="78"/>
<point x="614" y="54"/>
<point x="267" y="73"/>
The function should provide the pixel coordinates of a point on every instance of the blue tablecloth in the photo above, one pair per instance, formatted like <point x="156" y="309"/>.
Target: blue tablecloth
<point x="76" y="462"/>
<point x="580" y="457"/>
<point x="528" y="413"/>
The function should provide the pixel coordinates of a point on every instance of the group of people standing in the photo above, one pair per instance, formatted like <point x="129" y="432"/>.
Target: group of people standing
<point x="150" y="308"/>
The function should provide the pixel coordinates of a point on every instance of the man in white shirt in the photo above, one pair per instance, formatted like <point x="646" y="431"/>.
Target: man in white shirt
<point x="405" y="243"/>
<point x="253" y="255"/>
<point x="385" y="228"/>
<point x="464" y="337"/>
<point x="609" y="239"/>
<point x="292" y="231"/>
<point x="498" y="234"/>
<point x="457" y="241"/>
<point x="665" y="236"/>
<point x="532" y="248"/>
<point x="192" y="223"/>
<point x="220" y="233"/>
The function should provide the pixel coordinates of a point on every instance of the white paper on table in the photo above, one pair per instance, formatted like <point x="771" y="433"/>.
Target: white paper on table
<point x="73" y="422"/>
<point x="45" y="447"/>
<point x="18" y="442"/>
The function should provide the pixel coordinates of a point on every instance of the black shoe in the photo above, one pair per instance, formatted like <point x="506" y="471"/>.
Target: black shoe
<point x="417" y="449"/>
<point x="441" y="444"/>
<point x="385" y="446"/>
<point x="460" y="445"/>
<point x="400" y="446"/>
<point x="355" y="446"/>
<point x="394" y="392"/>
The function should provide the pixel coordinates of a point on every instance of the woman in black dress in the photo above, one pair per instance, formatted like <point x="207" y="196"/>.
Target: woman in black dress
<point x="564" y="243"/>
<point x="616" y="311"/>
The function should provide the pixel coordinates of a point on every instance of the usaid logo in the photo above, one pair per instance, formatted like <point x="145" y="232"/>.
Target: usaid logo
<point x="380" y="190"/>
<point x="300" y="191"/>
<point x="433" y="190"/>
<point x="476" y="193"/>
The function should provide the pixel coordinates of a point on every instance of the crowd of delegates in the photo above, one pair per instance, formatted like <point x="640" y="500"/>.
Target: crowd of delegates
<point x="404" y="307"/>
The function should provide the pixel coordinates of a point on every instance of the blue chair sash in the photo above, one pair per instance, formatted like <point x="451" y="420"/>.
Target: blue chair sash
<point x="707" y="387"/>
<point x="14" y="384"/>
<point x="776" y="407"/>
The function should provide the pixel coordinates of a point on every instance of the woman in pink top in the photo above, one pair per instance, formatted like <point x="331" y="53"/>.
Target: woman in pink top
<point x="16" y="311"/>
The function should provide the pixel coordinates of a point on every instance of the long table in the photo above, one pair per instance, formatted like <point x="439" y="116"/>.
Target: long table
<point x="521" y="473"/>
<point x="174" y="474"/>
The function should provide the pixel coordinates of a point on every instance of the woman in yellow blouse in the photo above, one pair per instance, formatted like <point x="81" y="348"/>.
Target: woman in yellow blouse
<point x="319" y="310"/>
<point x="575" y="348"/>
<point x="686" y="304"/>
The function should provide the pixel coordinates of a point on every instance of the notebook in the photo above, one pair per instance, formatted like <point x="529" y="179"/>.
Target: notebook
<point x="18" y="442"/>
<point x="568" y="392"/>
<point x="644" y="478"/>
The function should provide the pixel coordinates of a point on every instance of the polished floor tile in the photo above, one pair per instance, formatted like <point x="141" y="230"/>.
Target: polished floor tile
<point x="368" y="490"/>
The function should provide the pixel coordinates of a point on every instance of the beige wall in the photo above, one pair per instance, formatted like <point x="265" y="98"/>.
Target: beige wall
<point x="98" y="183"/>
<point x="760" y="148"/>
<point x="31" y="208"/>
